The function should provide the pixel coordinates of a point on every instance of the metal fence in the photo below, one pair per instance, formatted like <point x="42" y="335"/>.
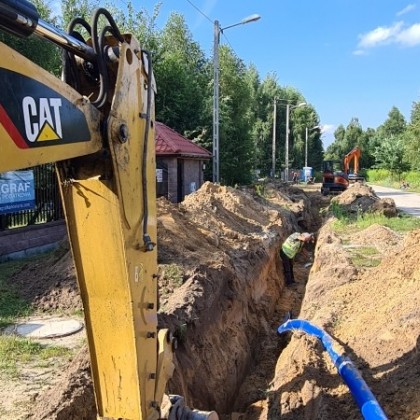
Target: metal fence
<point x="48" y="205"/>
<point x="162" y="178"/>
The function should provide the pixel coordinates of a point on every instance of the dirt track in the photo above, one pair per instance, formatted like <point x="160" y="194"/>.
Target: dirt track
<point x="233" y="298"/>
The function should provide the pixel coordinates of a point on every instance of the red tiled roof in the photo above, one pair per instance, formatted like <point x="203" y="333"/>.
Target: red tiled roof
<point x="169" y="142"/>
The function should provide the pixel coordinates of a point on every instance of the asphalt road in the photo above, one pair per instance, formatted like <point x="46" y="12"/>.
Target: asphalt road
<point x="406" y="201"/>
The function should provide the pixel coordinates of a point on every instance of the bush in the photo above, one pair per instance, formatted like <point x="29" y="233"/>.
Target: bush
<point x="388" y="179"/>
<point x="375" y="175"/>
<point x="413" y="178"/>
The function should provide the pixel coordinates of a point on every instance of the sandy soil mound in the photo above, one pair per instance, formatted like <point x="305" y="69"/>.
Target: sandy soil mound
<point x="223" y="294"/>
<point x="50" y="284"/>
<point x="381" y="237"/>
<point x="359" y="198"/>
<point x="374" y="315"/>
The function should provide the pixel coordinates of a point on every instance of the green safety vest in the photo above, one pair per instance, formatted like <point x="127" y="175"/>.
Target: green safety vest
<point x="292" y="245"/>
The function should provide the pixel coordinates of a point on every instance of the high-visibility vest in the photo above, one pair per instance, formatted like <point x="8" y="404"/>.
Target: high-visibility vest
<point x="292" y="245"/>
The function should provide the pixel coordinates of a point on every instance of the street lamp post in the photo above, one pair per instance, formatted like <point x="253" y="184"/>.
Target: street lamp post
<point x="273" y="156"/>
<point x="217" y="31"/>
<point x="288" y="110"/>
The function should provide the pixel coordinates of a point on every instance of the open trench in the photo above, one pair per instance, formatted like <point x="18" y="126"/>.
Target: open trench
<point x="225" y="318"/>
<point x="229" y="349"/>
<point x="232" y="298"/>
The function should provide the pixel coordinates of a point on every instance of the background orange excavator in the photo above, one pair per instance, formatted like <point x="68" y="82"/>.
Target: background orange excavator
<point x="337" y="175"/>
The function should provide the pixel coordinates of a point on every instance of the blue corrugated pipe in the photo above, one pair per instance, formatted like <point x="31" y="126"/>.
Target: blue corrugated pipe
<point x="366" y="401"/>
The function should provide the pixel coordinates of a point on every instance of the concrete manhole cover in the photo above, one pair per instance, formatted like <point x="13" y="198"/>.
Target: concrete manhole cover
<point x="46" y="328"/>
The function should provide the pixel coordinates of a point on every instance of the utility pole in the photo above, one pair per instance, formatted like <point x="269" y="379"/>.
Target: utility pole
<point x="216" y="102"/>
<point x="217" y="31"/>
<point x="286" y="162"/>
<point x="273" y="167"/>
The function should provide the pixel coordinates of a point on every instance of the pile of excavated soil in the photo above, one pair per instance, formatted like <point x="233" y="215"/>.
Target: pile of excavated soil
<point x="381" y="237"/>
<point x="227" y="298"/>
<point x="50" y="284"/>
<point x="360" y="198"/>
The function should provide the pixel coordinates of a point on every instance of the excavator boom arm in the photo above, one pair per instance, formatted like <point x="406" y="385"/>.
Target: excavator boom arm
<point x="101" y="136"/>
<point x="97" y="125"/>
<point x="353" y="155"/>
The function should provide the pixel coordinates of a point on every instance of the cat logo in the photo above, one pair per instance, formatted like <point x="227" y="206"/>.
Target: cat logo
<point x="42" y="119"/>
<point x="34" y="115"/>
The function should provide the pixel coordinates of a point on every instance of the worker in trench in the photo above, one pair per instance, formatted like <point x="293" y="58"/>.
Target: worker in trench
<point x="290" y="248"/>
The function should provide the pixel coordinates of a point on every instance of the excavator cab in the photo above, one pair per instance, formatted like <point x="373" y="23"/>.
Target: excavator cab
<point x="334" y="179"/>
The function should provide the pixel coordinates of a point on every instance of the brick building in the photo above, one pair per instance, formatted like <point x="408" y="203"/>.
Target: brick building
<point x="180" y="164"/>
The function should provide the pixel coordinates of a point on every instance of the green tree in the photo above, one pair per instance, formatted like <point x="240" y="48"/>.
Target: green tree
<point x="143" y="25"/>
<point x="39" y="51"/>
<point x="252" y="79"/>
<point x="395" y="125"/>
<point x="340" y="133"/>
<point x="181" y="79"/>
<point x="387" y="155"/>
<point x="345" y="140"/>
<point x="368" y="145"/>
<point x="315" y="147"/>
<point x="334" y="150"/>
<point x="390" y="155"/>
<point x="263" y="106"/>
<point x="412" y="138"/>
<point x="72" y="9"/>
<point x="354" y="135"/>
<point x="236" y="146"/>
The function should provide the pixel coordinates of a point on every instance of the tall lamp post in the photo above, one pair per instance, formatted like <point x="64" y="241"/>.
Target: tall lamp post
<point x="288" y="110"/>
<point x="273" y="156"/>
<point x="217" y="31"/>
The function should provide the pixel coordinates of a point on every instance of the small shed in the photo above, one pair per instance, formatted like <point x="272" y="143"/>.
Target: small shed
<point x="179" y="164"/>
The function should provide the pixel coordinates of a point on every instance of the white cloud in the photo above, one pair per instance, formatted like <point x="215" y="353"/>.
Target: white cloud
<point x="406" y="9"/>
<point x="327" y="128"/>
<point x="379" y="36"/>
<point x="398" y="33"/>
<point x="410" y="36"/>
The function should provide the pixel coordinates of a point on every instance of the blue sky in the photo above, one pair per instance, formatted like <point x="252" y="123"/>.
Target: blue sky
<point x="349" y="58"/>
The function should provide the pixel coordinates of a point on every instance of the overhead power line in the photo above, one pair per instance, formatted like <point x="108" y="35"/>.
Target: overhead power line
<point x="198" y="10"/>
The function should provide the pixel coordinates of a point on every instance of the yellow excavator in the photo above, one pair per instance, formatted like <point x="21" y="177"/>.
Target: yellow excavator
<point x="97" y="124"/>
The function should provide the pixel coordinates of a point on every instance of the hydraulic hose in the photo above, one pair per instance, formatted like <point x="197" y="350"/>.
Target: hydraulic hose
<point x="149" y="245"/>
<point x="364" y="397"/>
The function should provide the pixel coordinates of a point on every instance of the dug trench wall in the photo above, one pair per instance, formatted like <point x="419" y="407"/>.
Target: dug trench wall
<point x="372" y="313"/>
<point x="229" y="302"/>
<point x="226" y="241"/>
<point x="219" y="343"/>
<point x="304" y="369"/>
